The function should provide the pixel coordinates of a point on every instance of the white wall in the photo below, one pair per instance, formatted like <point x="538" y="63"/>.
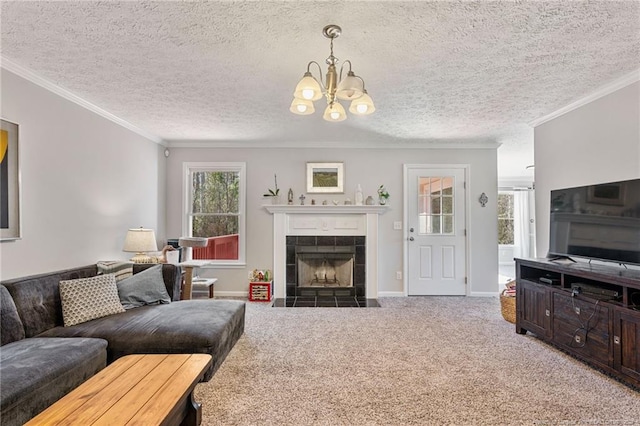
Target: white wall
<point x="368" y="167"/>
<point x="85" y="181"/>
<point x="596" y="143"/>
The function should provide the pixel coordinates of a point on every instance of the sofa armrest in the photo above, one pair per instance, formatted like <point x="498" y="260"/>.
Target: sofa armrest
<point x="171" y="273"/>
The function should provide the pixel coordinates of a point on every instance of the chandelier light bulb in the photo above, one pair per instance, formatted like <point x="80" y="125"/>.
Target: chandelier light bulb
<point x="334" y="112"/>
<point x="302" y="107"/>
<point x="363" y="105"/>
<point x="307" y="94"/>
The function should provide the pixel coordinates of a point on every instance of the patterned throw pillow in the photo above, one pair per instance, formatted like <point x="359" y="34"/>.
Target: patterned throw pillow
<point x="120" y="269"/>
<point x="85" y="299"/>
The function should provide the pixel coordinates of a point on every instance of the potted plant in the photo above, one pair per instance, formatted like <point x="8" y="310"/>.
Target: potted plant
<point x="274" y="193"/>
<point x="382" y="195"/>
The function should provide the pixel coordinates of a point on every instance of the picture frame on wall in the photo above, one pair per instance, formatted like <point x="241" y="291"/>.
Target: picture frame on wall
<point x="10" y="223"/>
<point x="326" y="178"/>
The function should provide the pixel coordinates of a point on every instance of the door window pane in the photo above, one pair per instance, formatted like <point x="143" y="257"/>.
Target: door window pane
<point x="435" y="204"/>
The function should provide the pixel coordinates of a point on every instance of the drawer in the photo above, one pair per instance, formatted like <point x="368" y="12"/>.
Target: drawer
<point x="582" y="327"/>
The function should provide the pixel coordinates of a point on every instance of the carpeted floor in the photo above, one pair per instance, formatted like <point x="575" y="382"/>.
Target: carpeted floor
<point x="413" y="361"/>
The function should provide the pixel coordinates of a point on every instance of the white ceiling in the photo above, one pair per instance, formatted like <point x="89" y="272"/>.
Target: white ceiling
<point x="439" y="72"/>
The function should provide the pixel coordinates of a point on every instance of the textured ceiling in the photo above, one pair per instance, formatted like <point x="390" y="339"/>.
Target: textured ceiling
<point x="439" y="72"/>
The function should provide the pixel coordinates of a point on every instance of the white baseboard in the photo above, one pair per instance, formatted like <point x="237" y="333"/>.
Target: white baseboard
<point x="391" y="294"/>
<point x="223" y="293"/>
<point x="484" y="294"/>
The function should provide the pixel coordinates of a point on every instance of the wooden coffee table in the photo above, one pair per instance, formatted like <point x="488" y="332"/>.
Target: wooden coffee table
<point x="134" y="390"/>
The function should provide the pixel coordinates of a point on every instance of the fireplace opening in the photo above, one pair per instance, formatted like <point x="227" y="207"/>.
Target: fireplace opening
<point x="325" y="266"/>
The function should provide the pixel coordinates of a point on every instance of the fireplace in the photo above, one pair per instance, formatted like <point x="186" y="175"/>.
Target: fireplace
<point x="326" y="266"/>
<point x="325" y="226"/>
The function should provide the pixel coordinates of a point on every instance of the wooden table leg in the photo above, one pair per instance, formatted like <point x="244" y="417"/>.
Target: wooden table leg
<point x="188" y="282"/>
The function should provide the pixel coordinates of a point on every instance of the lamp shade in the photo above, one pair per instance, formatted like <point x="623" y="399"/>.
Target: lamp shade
<point x="363" y="105"/>
<point x="302" y="107"/>
<point x="308" y="88"/>
<point x="334" y="112"/>
<point x="140" y="241"/>
<point x="351" y="87"/>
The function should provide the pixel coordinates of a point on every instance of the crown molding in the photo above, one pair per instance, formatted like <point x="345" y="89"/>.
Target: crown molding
<point x="34" y="78"/>
<point x="599" y="93"/>
<point x="256" y="144"/>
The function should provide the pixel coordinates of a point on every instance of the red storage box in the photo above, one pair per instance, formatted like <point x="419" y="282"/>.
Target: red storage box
<point x="261" y="291"/>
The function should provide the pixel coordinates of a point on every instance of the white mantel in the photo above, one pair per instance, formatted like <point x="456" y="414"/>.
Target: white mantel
<point x="325" y="220"/>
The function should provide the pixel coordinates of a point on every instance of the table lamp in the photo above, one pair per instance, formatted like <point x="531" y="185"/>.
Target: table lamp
<point x="140" y="241"/>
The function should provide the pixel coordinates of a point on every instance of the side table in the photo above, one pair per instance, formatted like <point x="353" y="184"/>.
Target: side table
<point x="188" y="276"/>
<point x="206" y="283"/>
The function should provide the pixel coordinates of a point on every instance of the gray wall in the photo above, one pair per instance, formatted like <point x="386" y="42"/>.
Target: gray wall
<point x="85" y="181"/>
<point x="596" y="143"/>
<point x="368" y="167"/>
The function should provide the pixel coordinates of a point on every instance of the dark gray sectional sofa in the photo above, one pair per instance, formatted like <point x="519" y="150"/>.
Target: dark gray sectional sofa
<point x="41" y="360"/>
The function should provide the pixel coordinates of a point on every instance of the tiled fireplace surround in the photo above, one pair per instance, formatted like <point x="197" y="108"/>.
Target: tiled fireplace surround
<point x="326" y="241"/>
<point x="325" y="226"/>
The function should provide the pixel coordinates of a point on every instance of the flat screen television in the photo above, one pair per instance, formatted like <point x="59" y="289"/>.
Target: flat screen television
<point x="599" y="221"/>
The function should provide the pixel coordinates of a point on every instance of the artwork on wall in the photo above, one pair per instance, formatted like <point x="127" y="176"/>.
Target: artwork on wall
<point x="9" y="182"/>
<point x="327" y="178"/>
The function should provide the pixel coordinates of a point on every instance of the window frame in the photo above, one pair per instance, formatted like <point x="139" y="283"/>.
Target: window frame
<point x="188" y="169"/>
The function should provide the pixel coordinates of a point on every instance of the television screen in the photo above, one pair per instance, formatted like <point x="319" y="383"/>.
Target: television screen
<point x="597" y="222"/>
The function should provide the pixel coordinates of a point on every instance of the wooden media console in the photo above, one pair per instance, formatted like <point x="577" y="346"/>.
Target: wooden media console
<point x="590" y="311"/>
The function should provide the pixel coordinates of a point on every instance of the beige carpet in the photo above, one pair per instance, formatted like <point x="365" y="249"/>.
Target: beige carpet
<point x="418" y="361"/>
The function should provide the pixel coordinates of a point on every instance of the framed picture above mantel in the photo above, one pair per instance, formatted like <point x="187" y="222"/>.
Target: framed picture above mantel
<point x="9" y="182"/>
<point x="325" y="178"/>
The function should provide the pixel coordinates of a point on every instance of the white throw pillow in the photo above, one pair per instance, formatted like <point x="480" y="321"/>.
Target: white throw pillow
<point x="85" y="299"/>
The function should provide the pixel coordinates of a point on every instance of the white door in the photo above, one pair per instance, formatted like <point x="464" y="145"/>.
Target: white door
<point x="436" y="246"/>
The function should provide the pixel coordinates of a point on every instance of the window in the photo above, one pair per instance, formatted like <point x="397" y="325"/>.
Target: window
<point x="435" y="204"/>
<point x="505" y="218"/>
<point x="215" y="209"/>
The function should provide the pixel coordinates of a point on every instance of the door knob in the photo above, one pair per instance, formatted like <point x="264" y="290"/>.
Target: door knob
<point x="410" y="229"/>
<point x="410" y="238"/>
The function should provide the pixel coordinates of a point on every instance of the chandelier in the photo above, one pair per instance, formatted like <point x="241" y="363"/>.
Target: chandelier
<point x="350" y="88"/>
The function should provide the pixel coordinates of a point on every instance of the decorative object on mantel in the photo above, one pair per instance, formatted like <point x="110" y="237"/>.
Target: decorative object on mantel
<point x="351" y="88"/>
<point x="335" y="202"/>
<point x="290" y="197"/>
<point x="369" y="201"/>
<point x="359" y="196"/>
<point x="141" y="241"/>
<point x="313" y="202"/>
<point x="302" y="197"/>
<point x="324" y="202"/>
<point x="483" y="199"/>
<point x="347" y="202"/>
<point x="383" y="194"/>
<point x="274" y="193"/>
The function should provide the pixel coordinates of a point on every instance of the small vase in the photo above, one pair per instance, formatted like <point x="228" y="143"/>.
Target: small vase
<point x="382" y="201"/>
<point x="275" y="199"/>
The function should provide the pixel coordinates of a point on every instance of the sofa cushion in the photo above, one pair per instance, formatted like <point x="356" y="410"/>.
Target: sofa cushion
<point x="121" y="270"/>
<point x="85" y="299"/>
<point x="37" y="372"/>
<point x="144" y="288"/>
<point x="190" y="326"/>
<point x="11" y="328"/>
<point x="37" y="297"/>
